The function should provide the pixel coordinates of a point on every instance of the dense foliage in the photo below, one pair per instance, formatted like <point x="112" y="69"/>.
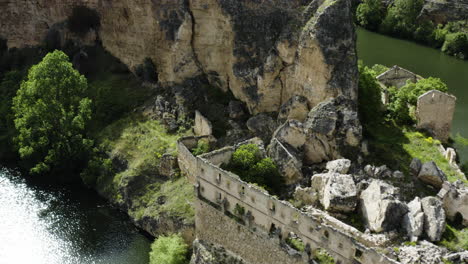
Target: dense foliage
<point x="51" y="114"/>
<point x="401" y="19"/>
<point x="247" y="162"/>
<point x="370" y="96"/>
<point x="403" y="101"/>
<point x="169" y="250"/>
<point x="8" y="87"/>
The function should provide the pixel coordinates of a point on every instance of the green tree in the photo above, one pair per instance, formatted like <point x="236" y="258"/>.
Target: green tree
<point x="51" y="114"/>
<point x="8" y="87"/>
<point x="169" y="250"/>
<point x="370" y="96"/>
<point x="456" y="44"/>
<point x="401" y="18"/>
<point x="370" y="13"/>
<point x="406" y="98"/>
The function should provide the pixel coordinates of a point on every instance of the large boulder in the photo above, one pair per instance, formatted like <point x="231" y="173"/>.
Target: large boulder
<point x="431" y="174"/>
<point x="434" y="218"/>
<point x="337" y="192"/>
<point x="306" y="196"/>
<point x="415" y="166"/>
<point x="455" y="201"/>
<point x="333" y="131"/>
<point x="287" y="159"/>
<point x="295" y="108"/>
<point x="381" y="209"/>
<point x="292" y="133"/>
<point x="339" y="166"/>
<point x="262" y="126"/>
<point x="413" y="221"/>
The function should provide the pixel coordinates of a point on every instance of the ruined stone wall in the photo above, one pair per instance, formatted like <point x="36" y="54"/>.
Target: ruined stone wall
<point x="223" y="191"/>
<point x="435" y="113"/>
<point x="397" y="77"/>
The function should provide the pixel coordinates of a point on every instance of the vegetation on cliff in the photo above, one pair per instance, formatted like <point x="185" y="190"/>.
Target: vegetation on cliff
<point x="51" y="116"/>
<point x="169" y="250"/>
<point x="401" y="19"/>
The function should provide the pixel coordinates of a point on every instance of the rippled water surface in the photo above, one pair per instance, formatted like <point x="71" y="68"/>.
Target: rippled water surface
<point x="40" y="224"/>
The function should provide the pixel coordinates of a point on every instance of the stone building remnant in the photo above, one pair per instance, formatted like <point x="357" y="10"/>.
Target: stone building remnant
<point x="263" y="221"/>
<point x="202" y="125"/>
<point x="455" y="201"/>
<point x="434" y="113"/>
<point x="398" y="77"/>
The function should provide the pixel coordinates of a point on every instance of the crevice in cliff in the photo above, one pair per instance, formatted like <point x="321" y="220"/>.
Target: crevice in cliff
<point x="280" y="79"/>
<point x="192" y="39"/>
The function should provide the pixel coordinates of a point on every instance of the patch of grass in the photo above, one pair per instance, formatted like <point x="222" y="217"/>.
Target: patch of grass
<point x="295" y="243"/>
<point x="396" y="146"/>
<point x="454" y="238"/>
<point x="410" y="243"/>
<point x="322" y="257"/>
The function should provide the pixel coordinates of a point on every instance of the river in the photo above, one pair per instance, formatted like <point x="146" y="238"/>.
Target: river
<point x="44" y="224"/>
<point x="375" y="48"/>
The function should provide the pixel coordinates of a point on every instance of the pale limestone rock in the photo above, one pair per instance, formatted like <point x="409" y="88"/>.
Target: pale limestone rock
<point x="455" y="201"/>
<point x="381" y="208"/>
<point x="413" y="221"/>
<point x="202" y="126"/>
<point x="336" y="192"/>
<point x="295" y="108"/>
<point x="431" y="174"/>
<point x="434" y="218"/>
<point x="339" y="166"/>
<point x="288" y="161"/>
<point x="292" y="133"/>
<point x="424" y="253"/>
<point x="306" y="196"/>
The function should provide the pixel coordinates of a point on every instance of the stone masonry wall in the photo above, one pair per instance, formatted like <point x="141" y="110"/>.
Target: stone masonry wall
<point x="223" y="191"/>
<point x="435" y="113"/>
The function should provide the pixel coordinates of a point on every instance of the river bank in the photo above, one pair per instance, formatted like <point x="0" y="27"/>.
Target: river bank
<point x="374" y="48"/>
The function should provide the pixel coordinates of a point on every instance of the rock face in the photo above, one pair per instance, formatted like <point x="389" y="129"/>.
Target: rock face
<point x="413" y="221"/>
<point x="434" y="218"/>
<point x="292" y="133"/>
<point x="332" y="130"/>
<point x="339" y="166"/>
<point x="445" y="11"/>
<point x="381" y="209"/>
<point x="337" y="192"/>
<point x="295" y="108"/>
<point x="264" y="52"/>
<point x="431" y="174"/>
<point x="288" y="160"/>
<point x="455" y="201"/>
<point x="262" y="126"/>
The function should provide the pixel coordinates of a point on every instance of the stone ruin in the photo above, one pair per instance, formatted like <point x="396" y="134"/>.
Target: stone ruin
<point x="259" y="232"/>
<point x="434" y="113"/>
<point x="398" y="77"/>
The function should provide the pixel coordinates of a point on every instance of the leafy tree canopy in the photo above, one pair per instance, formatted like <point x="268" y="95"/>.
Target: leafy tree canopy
<point x="51" y="113"/>
<point x="168" y="250"/>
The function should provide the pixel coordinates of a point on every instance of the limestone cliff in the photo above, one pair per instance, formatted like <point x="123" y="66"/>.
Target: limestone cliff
<point x="445" y="11"/>
<point x="265" y="51"/>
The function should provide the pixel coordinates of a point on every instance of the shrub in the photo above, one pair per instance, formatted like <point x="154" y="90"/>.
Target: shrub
<point x="245" y="157"/>
<point x="369" y="14"/>
<point x="295" y="243"/>
<point x="370" y="102"/>
<point x="83" y="19"/>
<point x="203" y="146"/>
<point x="401" y="18"/>
<point x="169" y="250"/>
<point x="456" y="44"/>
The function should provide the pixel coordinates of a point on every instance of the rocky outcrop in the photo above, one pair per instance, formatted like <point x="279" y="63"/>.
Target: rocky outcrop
<point x="434" y="218"/>
<point x="431" y="174"/>
<point x="333" y="131"/>
<point x="455" y="201"/>
<point x="287" y="159"/>
<point x="295" y="108"/>
<point x="262" y="126"/>
<point x="336" y="192"/>
<point x="413" y="221"/>
<point x="292" y="133"/>
<point x="382" y="211"/>
<point x="264" y="52"/>
<point x="442" y="12"/>
<point x="339" y="166"/>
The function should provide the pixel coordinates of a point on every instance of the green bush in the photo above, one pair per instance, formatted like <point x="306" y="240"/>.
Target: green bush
<point x="169" y="250"/>
<point x="247" y="162"/>
<point x="401" y="18"/>
<point x="203" y="146"/>
<point x="456" y="44"/>
<point x="370" y="98"/>
<point x="295" y="243"/>
<point x="369" y="14"/>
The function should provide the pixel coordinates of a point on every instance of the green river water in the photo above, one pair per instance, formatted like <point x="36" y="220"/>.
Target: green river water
<point x="374" y="48"/>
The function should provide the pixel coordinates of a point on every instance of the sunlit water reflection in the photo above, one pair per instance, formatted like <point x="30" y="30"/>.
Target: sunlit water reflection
<point x="43" y="224"/>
